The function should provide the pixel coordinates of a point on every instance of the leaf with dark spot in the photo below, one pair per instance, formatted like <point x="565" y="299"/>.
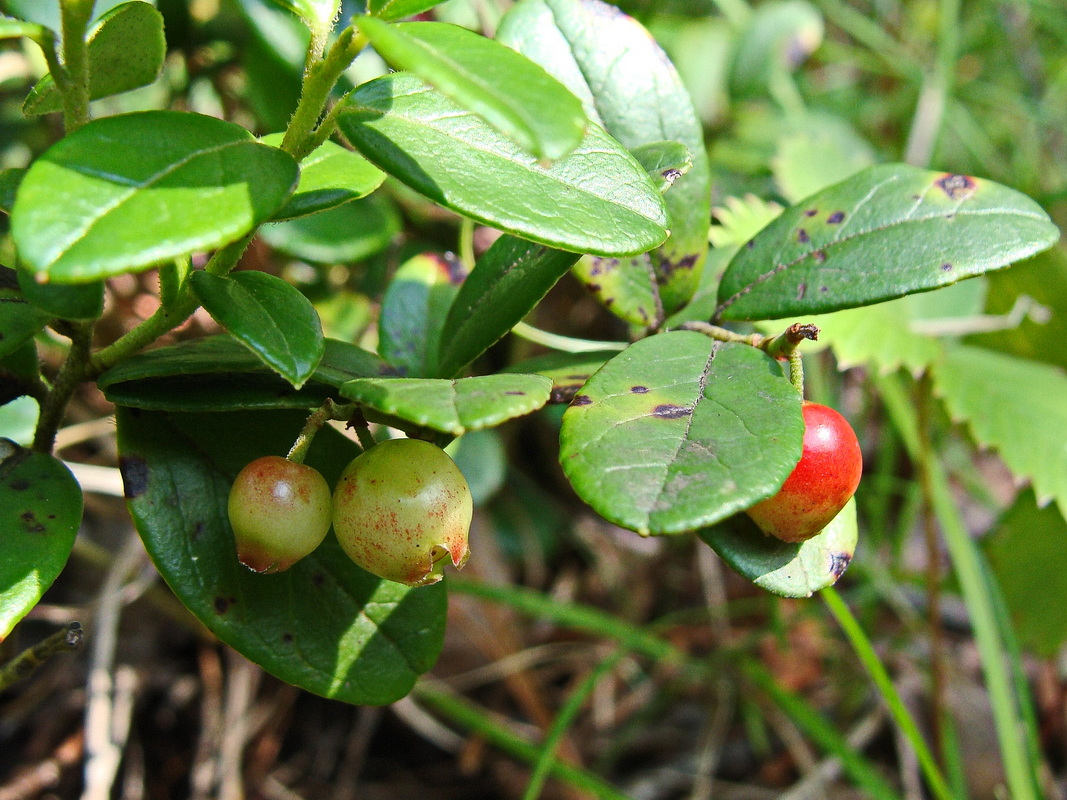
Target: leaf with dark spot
<point x="896" y="227"/>
<point x="786" y="569"/>
<point x="718" y="429"/>
<point x="40" y="511"/>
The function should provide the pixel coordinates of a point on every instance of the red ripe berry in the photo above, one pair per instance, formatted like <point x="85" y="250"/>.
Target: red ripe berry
<point x="820" y="485"/>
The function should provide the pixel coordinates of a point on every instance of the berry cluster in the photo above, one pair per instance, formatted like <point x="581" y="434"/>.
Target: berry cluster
<point x="399" y="510"/>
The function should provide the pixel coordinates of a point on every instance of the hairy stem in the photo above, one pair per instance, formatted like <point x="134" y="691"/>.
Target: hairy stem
<point x="319" y="417"/>
<point x="70" y="375"/>
<point x="75" y="85"/>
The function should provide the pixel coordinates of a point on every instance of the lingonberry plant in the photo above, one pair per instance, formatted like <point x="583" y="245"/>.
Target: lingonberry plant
<point x="572" y="135"/>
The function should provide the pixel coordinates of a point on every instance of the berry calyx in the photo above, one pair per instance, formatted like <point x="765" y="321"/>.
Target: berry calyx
<point x="401" y="510"/>
<point x="279" y="511"/>
<point x="820" y="485"/>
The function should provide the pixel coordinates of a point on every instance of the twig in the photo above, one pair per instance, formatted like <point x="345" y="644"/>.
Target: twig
<point x="25" y="663"/>
<point x="109" y="704"/>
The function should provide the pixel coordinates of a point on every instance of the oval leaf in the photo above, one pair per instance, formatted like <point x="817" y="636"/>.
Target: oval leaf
<point x="784" y="568"/>
<point x="218" y="373"/>
<point x="481" y="75"/>
<point x="413" y="312"/>
<point x="885" y="232"/>
<point x="377" y="636"/>
<point x="269" y="316"/>
<point x="398" y="9"/>
<point x="343" y="235"/>
<point x="452" y="406"/>
<point x="66" y="301"/>
<point x="329" y="176"/>
<point x="40" y="511"/>
<point x="568" y="371"/>
<point x="19" y="321"/>
<point x="119" y="196"/>
<point x="9" y="186"/>
<point x="629" y="86"/>
<point x="510" y="278"/>
<point x="596" y="200"/>
<point x="679" y="431"/>
<point x="126" y="51"/>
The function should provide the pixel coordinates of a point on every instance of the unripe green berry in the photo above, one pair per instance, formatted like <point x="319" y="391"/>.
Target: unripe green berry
<point x="401" y="510"/>
<point x="279" y="511"/>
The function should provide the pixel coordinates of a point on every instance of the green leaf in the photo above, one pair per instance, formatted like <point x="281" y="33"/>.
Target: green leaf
<point x="679" y="431"/>
<point x="9" y="186"/>
<point x="628" y="85"/>
<point x="452" y="406"/>
<point x="1026" y="554"/>
<point x="18" y="420"/>
<point x="218" y="373"/>
<point x="815" y="152"/>
<point x="596" y="200"/>
<point x="481" y="75"/>
<point x="510" y="278"/>
<point x="1013" y="406"/>
<point x="19" y="321"/>
<point x="413" y="312"/>
<point x="888" y="231"/>
<point x="624" y="286"/>
<point x="269" y="316"/>
<point x="65" y="301"/>
<point x="40" y="511"/>
<point x="318" y="15"/>
<point x="665" y="162"/>
<point x="126" y="51"/>
<point x="118" y="196"/>
<point x="784" y="568"/>
<point x="376" y="636"/>
<point x="398" y="9"/>
<point x="343" y="235"/>
<point x="329" y="176"/>
<point x="568" y="371"/>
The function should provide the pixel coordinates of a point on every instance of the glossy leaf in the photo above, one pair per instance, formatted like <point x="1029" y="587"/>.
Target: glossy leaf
<point x="482" y="75"/>
<point x="269" y="316"/>
<point x="117" y="196"/>
<point x="19" y="321"/>
<point x="218" y="373"/>
<point x="40" y="511"/>
<point x="177" y="469"/>
<point x="1014" y="406"/>
<point x="348" y="233"/>
<point x="598" y="199"/>
<point x="62" y="300"/>
<point x="452" y="406"/>
<point x="628" y="85"/>
<point x="784" y="568"/>
<point x="624" y="286"/>
<point x="413" y="312"/>
<point x="568" y="371"/>
<point x="329" y="176"/>
<point x="398" y="9"/>
<point x="679" y="431"/>
<point x="665" y="162"/>
<point x="510" y="278"/>
<point x="126" y="51"/>
<point x="888" y="231"/>
<point x="1025" y="551"/>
